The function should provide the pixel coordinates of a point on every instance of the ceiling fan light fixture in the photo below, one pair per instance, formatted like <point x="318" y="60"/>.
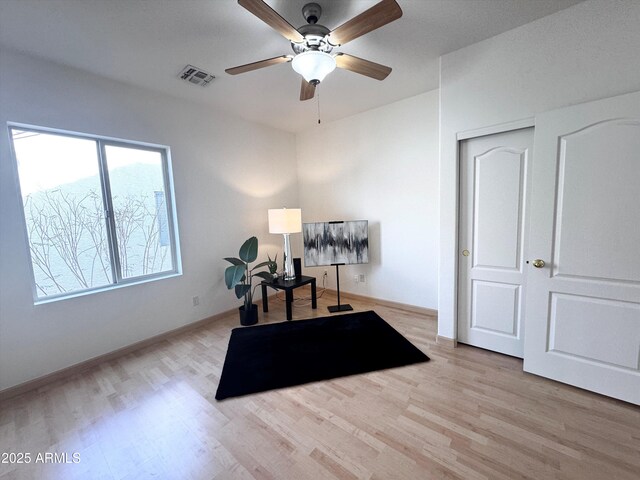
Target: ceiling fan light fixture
<point x="314" y="65"/>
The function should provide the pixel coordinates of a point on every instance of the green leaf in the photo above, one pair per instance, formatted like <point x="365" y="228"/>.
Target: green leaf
<point x="233" y="275"/>
<point x="260" y="265"/>
<point x="235" y="261"/>
<point x="249" y="250"/>
<point x="264" y="275"/>
<point x="242" y="289"/>
<point x="273" y="265"/>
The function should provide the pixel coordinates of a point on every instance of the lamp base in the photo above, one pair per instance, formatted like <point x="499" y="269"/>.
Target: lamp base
<point x="289" y="273"/>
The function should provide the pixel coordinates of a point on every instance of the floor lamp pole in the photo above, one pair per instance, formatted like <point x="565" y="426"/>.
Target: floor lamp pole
<point x="339" y="308"/>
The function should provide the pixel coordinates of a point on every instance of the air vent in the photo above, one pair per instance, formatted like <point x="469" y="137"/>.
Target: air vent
<point x="196" y="76"/>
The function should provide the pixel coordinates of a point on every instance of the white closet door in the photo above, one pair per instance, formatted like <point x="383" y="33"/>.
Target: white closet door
<point x="583" y="305"/>
<point x="492" y="242"/>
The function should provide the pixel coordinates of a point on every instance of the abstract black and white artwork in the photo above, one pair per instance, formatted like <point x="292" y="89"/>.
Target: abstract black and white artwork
<point x="329" y="243"/>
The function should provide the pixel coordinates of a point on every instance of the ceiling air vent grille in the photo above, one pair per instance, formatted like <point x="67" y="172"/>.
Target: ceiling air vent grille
<point x="196" y="76"/>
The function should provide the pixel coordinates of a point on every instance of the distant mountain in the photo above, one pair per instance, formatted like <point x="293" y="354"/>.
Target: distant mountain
<point x="134" y="180"/>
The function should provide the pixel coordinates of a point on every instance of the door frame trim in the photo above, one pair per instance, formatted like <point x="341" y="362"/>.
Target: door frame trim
<point x="493" y="129"/>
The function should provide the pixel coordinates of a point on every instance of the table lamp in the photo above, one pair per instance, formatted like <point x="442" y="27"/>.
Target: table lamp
<point x="286" y="221"/>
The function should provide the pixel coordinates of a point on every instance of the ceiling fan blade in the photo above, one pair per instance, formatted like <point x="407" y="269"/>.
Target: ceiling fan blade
<point x="362" y="66"/>
<point x="269" y="16"/>
<point x="307" y="91"/>
<point x="261" y="64"/>
<point x="380" y="14"/>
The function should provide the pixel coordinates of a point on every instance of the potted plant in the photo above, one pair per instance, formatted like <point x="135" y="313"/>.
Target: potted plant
<point x="240" y="276"/>
<point x="273" y="266"/>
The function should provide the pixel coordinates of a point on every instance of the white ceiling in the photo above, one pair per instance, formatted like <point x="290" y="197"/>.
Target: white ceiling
<point x="148" y="42"/>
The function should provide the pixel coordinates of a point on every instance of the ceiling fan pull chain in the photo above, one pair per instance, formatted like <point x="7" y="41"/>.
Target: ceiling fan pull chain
<point x="318" y="97"/>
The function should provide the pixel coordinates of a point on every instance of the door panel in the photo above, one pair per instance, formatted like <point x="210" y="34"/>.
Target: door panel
<point x="583" y="306"/>
<point x="495" y="307"/>
<point x="497" y="191"/>
<point x="588" y="327"/>
<point x="592" y="202"/>
<point x="493" y="199"/>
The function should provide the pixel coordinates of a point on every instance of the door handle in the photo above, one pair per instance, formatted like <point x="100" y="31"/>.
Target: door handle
<point x="538" y="263"/>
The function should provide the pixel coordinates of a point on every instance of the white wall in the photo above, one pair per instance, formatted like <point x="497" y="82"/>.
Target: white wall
<point x="586" y="52"/>
<point x="227" y="173"/>
<point x="380" y="166"/>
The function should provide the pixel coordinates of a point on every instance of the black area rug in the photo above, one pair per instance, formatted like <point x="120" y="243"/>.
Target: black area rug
<point x="285" y="354"/>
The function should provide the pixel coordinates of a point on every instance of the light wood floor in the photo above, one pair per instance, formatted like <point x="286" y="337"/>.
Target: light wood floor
<point x="466" y="414"/>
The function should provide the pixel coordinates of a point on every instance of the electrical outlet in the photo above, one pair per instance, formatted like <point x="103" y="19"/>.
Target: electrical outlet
<point x="362" y="278"/>
<point x="356" y="279"/>
<point x="196" y="301"/>
<point x="325" y="273"/>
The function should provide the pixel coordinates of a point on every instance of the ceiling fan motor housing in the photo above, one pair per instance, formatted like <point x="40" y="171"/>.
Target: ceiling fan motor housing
<point x="312" y="12"/>
<point x="314" y="39"/>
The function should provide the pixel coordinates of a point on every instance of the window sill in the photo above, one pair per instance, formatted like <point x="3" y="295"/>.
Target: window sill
<point x="106" y="288"/>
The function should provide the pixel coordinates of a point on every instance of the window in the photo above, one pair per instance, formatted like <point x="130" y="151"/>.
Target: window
<point x="98" y="212"/>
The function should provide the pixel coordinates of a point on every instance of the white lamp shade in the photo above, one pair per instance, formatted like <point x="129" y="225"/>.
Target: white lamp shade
<point x="285" y="220"/>
<point x="313" y="65"/>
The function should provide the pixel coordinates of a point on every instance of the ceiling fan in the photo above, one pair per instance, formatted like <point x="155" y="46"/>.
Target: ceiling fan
<point x="313" y="43"/>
